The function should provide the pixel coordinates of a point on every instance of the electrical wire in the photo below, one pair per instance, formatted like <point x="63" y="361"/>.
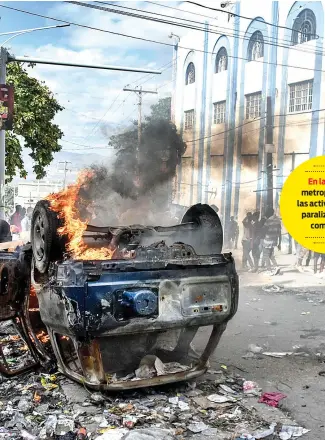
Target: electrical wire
<point x="245" y="18"/>
<point x="254" y="120"/>
<point x="242" y="34"/>
<point x="203" y="29"/>
<point x="158" y="42"/>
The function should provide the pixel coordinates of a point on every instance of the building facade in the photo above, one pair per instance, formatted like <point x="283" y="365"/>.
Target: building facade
<point x="249" y="100"/>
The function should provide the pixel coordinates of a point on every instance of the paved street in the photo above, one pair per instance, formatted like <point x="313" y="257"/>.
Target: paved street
<point x="278" y="322"/>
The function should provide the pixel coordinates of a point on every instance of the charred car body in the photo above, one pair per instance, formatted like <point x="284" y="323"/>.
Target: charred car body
<point x="128" y="321"/>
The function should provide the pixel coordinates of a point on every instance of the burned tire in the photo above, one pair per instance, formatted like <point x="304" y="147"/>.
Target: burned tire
<point x="46" y="244"/>
<point x="208" y="238"/>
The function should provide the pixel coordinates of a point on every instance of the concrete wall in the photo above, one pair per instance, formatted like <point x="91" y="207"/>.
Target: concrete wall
<point x="225" y="163"/>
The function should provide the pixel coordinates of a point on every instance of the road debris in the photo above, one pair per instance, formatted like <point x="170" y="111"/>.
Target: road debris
<point x="272" y="399"/>
<point x="216" y="407"/>
<point x="288" y="432"/>
<point x="273" y="288"/>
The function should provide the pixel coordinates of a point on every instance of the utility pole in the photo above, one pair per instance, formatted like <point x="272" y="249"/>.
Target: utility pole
<point x="269" y="150"/>
<point x="5" y="58"/>
<point x="65" y="172"/>
<point x="139" y="92"/>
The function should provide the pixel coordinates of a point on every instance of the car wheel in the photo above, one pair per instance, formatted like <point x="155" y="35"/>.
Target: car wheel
<point x="209" y="227"/>
<point x="47" y="246"/>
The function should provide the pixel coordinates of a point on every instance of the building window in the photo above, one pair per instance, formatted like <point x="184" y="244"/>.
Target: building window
<point x="189" y="119"/>
<point x="219" y="112"/>
<point x="221" y="60"/>
<point x="190" y="74"/>
<point x="304" y="27"/>
<point x="253" y="105"/>
<point x="256" y="46"/>
<point x="301" y="96"/>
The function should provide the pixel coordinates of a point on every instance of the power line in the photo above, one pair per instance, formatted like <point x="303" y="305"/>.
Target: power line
<point x="160" y="42"/>
<point x="254" y="120"/>
<point x="247" y="18"/>
<point x="241" y="33"/>
<point x="163" y="21"/>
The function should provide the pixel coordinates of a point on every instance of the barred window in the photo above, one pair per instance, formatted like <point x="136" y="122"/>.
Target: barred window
<point x="256" y="46"/>
<point x="301" y="96"/>
<point x="304" y="27"/>
<point x="189" y="119"/>
<point x="190" y="74"/>
<point x="219" y="112"/>
<point x="253" y="105"/>
<point x="221" y="60"/>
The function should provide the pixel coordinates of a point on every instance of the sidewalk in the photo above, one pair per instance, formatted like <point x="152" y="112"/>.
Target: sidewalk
<point x="289" y="276"/>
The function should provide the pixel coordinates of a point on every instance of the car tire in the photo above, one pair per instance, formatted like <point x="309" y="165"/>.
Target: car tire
<point x="209" y="228"/>
<point x="47" y="245"/>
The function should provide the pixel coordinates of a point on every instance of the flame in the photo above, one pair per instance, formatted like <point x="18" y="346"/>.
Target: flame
<point x="32" y="291"/>
<point x="43" y="337"/>
<point x="64" y="203"/>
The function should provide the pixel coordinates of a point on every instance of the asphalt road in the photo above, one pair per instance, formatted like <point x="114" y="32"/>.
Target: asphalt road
<point x="278" y="322"/>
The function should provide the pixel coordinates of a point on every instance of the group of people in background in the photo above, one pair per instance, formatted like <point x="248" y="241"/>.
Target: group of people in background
<point x="261" y="235"/>
<point x="18" y="224"/>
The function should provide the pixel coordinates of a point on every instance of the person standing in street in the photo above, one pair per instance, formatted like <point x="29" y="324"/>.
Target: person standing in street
<point x="233" y="233"/>
<point x="247" y="241"/>
<point x="272" y="238"/>
<point x="256" y="240"/>
<point x="16" y="218"/>
<point x="26" y="222"/>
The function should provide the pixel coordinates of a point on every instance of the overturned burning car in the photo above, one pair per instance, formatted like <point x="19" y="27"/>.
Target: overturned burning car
<point x="121" y="305"/>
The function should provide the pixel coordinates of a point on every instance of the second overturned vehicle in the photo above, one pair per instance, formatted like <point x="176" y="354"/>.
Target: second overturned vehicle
<point x="128" y="319"/>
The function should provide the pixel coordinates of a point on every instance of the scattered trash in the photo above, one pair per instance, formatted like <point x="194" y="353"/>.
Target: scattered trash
<point x="273" y="288"/>
<point x="255" y="348"/>
<point x="271" y="399"/>
<point x="217" y="398"/>
<point x="97" y="398"/>
<point x="227" y="389"/>
<point x="277" y="354"/>
<point x="288" y="432"/>
<point x="197" y="427"/>
<point x="305" y="313"/>
<point x="250" y="387"/>
<point x="39" y="406"/>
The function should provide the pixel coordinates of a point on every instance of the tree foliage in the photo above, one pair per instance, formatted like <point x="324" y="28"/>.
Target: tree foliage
<point x="127" y="140"/>
<point x="33" y="127"/>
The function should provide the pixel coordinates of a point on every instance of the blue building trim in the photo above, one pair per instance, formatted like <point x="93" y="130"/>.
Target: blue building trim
<point x="297" y="8"/>
<point x="230" y="126"/>
<point x="203" y="116"/>
<point x="256" y="25"/>
<point x="221" y="42"/>
<point x="190" y="57"/>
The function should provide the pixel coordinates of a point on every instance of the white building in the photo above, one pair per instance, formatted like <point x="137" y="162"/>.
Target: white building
<point x="224" y="75"/>
<point x="28" y="193"/>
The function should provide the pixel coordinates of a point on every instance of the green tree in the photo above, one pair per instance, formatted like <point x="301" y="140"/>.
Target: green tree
<point x="161" y="110"/>
<point x="127" y="140"/>
<point x="33" y="127"/>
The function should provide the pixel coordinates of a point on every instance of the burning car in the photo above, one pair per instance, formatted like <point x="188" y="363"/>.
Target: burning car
<point x="122" y="304"/>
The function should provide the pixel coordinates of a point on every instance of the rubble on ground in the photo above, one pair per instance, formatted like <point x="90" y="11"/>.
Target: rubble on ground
<point x="39" y="406"/>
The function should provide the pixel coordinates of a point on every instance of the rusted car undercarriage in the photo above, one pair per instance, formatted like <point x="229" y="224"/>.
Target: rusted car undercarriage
<point x="128" y="321"/>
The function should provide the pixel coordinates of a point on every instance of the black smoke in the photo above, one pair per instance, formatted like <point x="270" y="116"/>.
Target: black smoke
<point x="137" y="174"/>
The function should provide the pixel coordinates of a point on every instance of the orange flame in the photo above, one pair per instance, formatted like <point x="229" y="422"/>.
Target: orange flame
<point x="64" y="203"/>
<point x="43" y="337"/>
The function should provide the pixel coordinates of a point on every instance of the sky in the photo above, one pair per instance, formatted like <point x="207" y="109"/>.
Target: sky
<point x="95" y="104"/>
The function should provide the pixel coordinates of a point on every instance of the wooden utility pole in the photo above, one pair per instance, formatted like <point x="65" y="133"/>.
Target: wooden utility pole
<point x="65" y="172"/>
<point x="139" y="92"/>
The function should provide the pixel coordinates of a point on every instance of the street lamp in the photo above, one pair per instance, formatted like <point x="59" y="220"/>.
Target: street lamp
<point x="26" y="31"/>
<point x="4" y="57"/>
